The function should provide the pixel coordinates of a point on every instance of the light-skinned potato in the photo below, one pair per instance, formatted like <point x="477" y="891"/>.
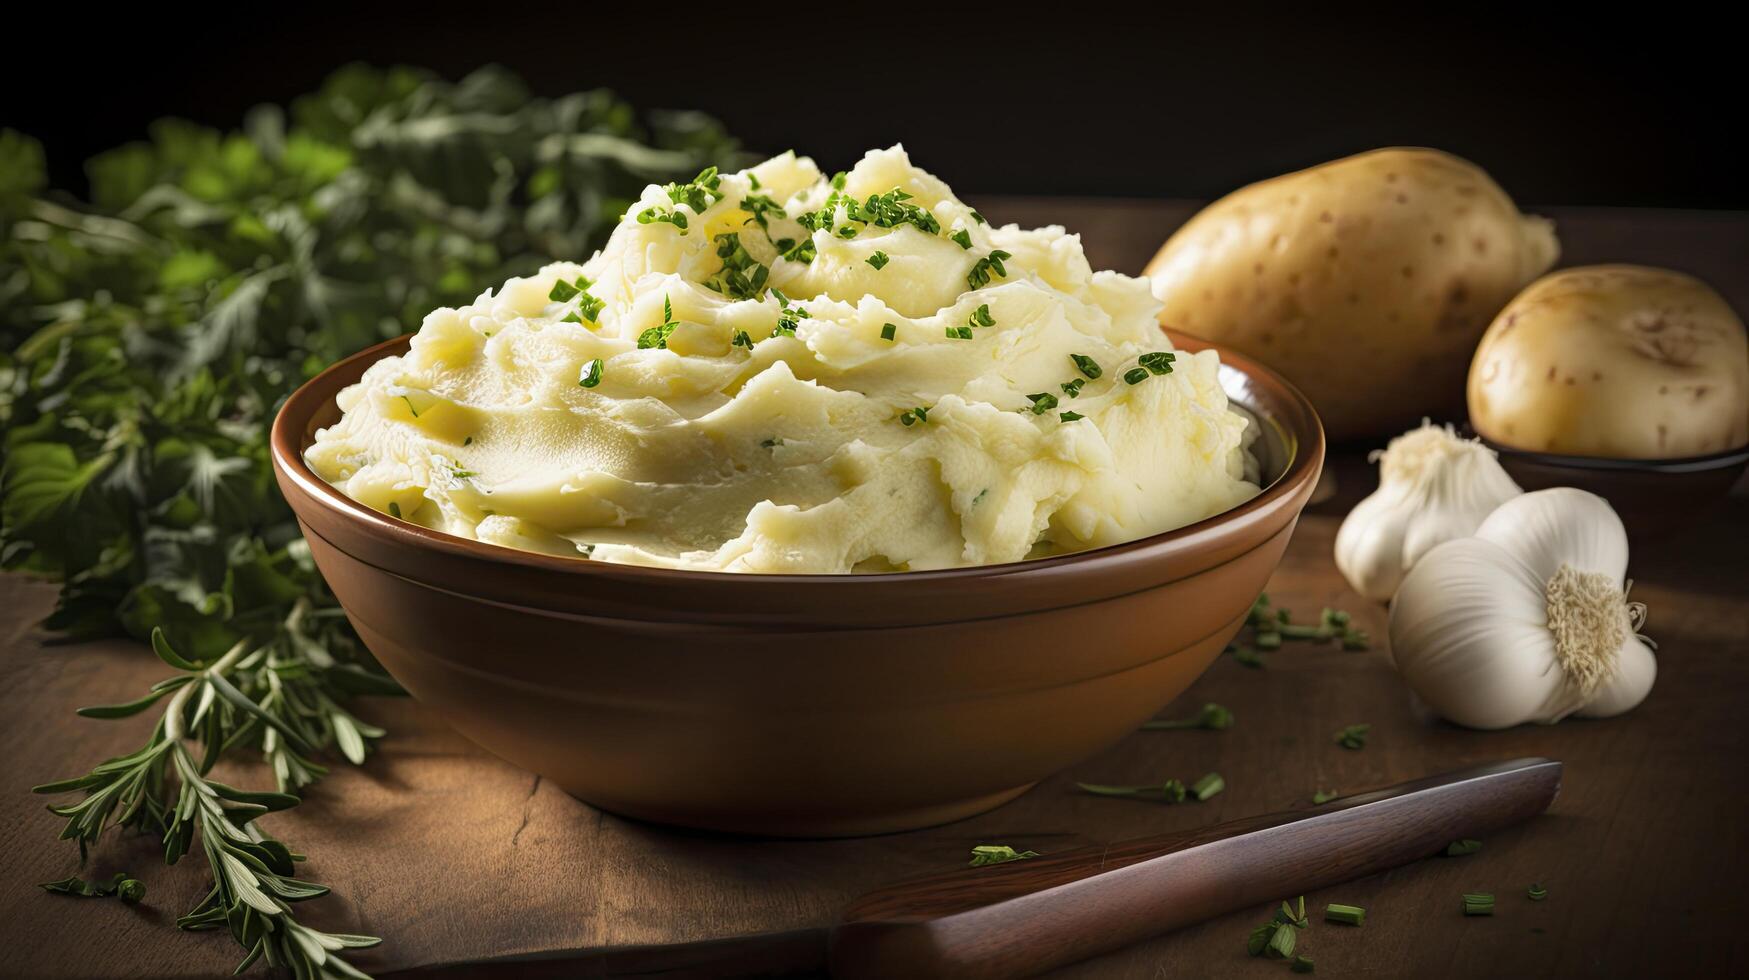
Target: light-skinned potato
<point x="1366" y="281"/>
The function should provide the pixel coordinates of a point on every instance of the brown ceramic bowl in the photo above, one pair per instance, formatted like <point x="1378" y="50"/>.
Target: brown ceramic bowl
<point x="799" y="705"/>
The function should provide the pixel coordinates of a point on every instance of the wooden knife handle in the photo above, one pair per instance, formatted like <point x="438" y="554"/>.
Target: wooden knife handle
<point x="1025" y="917"/>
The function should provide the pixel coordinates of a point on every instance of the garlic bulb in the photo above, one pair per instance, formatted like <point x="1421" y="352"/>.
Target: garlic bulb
<point x="1433" y="487"/>
<point x="1528" y="620"/>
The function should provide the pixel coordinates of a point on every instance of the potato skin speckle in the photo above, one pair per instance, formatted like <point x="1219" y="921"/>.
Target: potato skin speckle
<point x="1362" y="256"/>
<point x="1654" y="364"/>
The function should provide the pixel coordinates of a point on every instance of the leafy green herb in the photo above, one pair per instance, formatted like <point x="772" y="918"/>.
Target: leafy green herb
<point x="761" y="209"/>
<point x="963" y="238"/>
<point x="1087" y="366"/>
<point x="1459" y="848"/>
<point x="981" y="270"/>
<point x="1536" y="893"/>
<point x="788" y="317"/>
<point x="878" y="260"/>
<point x="1042" y="402"/>
<point x="1070" y="416"/>
<point x="591" y="374"/>
<point x="998" y="854"/>
<point x="1209" y="785"/>
<point x="1353" y="736"/>
<point x="147" y="336"/>
<point x="803" y="251"/>
<point x="741" y="339"/>
<point x="1212" y="716"/>
<point x="562" y="291"/>
<point x="959" y="333"/>
<point x="1478" y="904"/>
<point x="889" y="331"/>
<point x="656" y="338"/>
<point x="1348" y="915"/>
<point x="123" y="886"/>
<point x="1324" y="796"/>
<point x="741" y="276"/>
<point x="912" y="416"/>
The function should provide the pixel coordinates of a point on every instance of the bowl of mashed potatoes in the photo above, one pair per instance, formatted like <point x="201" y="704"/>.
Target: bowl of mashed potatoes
<point x="810" y="505"/>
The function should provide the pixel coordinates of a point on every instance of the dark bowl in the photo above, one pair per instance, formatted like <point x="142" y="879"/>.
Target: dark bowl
<point x="1656" y="498"/>
<point x="805" y="705"/>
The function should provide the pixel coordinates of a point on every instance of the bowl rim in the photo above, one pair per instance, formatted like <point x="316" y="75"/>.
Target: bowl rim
<point x="1670" y="464"/>
<point x="1303" y="434"/>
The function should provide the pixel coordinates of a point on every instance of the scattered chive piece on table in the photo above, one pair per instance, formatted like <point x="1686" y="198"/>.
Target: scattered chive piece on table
<point x="1459" y="848"/>
<point x="1209" y="785"/>
<point x="984" y="854"/>
<point x="1478" y="904"/>
<point x="1301" y="964"/>
<point x="1537" y="893"/>
<point x="1170" y="791"/>
<point x="1213" y="716"/>
<point x="1324" y="796"/>
<point x="1275" y="938"/>
<point x="122" y="885"/>
<point x="1348" y="915"/>
<point x="1353" y="737"/>
<point x="1248" y="657"/>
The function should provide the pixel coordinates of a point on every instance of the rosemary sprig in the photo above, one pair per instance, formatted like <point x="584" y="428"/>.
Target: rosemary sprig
<point x="163" y="789"/>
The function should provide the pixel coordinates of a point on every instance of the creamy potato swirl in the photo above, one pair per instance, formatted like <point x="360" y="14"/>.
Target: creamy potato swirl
<point x="772" y="371"/>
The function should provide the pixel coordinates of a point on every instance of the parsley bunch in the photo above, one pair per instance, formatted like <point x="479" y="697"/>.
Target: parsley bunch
<point x="148" y="334"/>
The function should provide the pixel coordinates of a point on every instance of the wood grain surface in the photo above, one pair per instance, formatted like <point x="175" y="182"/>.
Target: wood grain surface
<point x="455" y="857"/>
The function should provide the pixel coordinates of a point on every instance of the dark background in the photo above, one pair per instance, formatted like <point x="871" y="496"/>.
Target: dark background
<point x="1065" y="99"/>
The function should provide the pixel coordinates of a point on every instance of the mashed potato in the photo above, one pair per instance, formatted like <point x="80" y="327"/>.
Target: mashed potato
<point x="771" y="371"/>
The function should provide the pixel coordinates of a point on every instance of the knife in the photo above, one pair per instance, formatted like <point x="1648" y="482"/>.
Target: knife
<point x="1025" y="917"/>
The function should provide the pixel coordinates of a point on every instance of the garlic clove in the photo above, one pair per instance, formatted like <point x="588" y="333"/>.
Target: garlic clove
<point x="1469" y="636"/>
<point x="1561" y="525"/>
<point x="1635" y="671"/>
<point x="1369" y="546"/>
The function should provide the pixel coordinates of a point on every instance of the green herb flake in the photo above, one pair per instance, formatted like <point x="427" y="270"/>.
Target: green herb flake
<point x="1087" y="366"/>
<point x="1213" y="716"/>
<point x="1170" y="791"/>
<point x="591" y="374"/>
<point x="656" y="338"/>
<point x="1209" y="785"/>
<point x="1478" y="904"/>
<point x="981" y="316"/>
<point x="1324" y="796"/>
<point x="879" y="260"/>
<point x="1353" y="736"/>
<point x="959" y="333"/>
<point x="1042" y="402"/>
<point x="1348" y="915"/>
<point x="1157" y="362"/>
<point x="982" y="270"/>
<point x="984" y="854"/>
<point x="1136" y="376"/>
<point x="914" y="416"/>
<point x="1459" y="848"/>
<point x="1536" y="893"/>
<point x="963" y="238"/>
<point x="1070" y="416"/>
<point x="394" y="510"/>
<point x="1073" y="388"/>
<point x="889" y="331"/>
<point x="562" y="291"/>
<point x="741" y="339"/>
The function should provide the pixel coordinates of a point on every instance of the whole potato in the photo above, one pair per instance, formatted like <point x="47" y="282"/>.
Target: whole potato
<point x="1622" y="361"/>
<point x="1365" y="281"/>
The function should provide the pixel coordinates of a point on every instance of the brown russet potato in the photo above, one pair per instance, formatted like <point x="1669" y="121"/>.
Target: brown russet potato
<point x="1618" y="361"/>
<point x="1366" y="281"/>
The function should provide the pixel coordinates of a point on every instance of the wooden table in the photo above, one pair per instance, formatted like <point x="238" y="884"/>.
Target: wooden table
<point x="456" y="857"/>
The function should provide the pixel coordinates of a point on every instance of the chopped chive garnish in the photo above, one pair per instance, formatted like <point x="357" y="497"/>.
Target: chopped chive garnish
<point x="1157" y="362"/>
<point x="889" y="331"/>
<point x="1209" y="785"/>
<point x="981" y="317"/>
<point x="1268" y="639"/>
<point x="1170" y="791"/>
<point x="1247" y="656"/>
<point x="657" y="337"/>
<point x="1087" y="365"/>
<point x="878" y="260"/>
<point x="1478" y="904"/>
<point x="1348" y="915"/>
<point x="959" y="333"/>
<point x="1136" y="376"/>
<point x="591" y="374"/>
<point x="1458" y="848"/>
<point x="978" y="218"/>
<point x="1073" y="388"/>
<point x="394" y="510"/>
<point x="468" y="441"/>
<point x="1071" y="416"/>
<point x="1353" y="736"/>
<point x="1536" y="893"/>
<point x="1212" y="716"/>
<point x="741" y="340"/>
<point x="838" y="181"/>
<point x="912" y="416"/>
<point x="562" y="291"/>
<point x="1301" y="964"/>
<point x="962" y="237"/>
<point x="1042" y="402"/>
<point x="980" y="276"/>
<point x="998" y="854"/>
<point x="1324" y="796"/>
